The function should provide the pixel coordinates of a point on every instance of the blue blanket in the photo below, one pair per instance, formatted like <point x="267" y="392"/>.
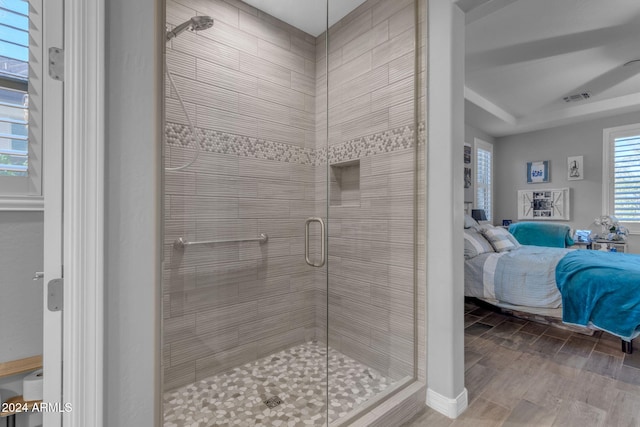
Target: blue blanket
<point x="542" y="234"/>
<point x="601" y="288"/>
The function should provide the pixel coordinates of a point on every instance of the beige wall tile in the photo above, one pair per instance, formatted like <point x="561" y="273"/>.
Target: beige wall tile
<point x="365" y="42"/>
<point x="255" y="26"/>
<point x="264" y="327"/>
<point x="200" y="93"/>
<point x="401" y="20"/>
<point x="176" y="376"/>
<point x="264" y="110"/>
<point x="190" y="350"/>
<point x="177" y="13"/>
<point x="396" y="47"/>
<point x="281" y="56"/>
<point x="366" y="83"/>
<point x="201" y="47"/>
<point x="225" y="121"/>
<point x="280" y="94"/>
<point x="222" y="318"/>
<point x="395" y="93"/>
<point x="254" y="66"/>
<point x="352" y="27"/>
<point x="181" y="64"/>
<point x="218" y="10"/>
<point x="304" y="46"/>
<point x="402" y="114"/>
<point x="174" y="112"/>
<point x="350" y="70"/>
<point x="205" y="298"/>
<point x="276" y="343"/>
<point x="385" y="9"/>
<point x="402" y="67"/>
<point x="303" y="83"/>
<point x="226" y="78"/>
<point x="230" y="35"/>
<point x="177" y="328"/>
<point x="224" y="360"/>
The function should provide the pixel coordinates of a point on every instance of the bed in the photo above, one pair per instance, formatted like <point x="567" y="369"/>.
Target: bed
<point x="583" y="288"/>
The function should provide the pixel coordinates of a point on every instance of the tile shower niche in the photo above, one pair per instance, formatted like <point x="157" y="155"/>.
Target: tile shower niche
<point x="345" y="184"/>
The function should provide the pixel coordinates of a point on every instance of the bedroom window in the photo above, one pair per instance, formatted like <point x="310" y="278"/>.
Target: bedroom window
<point x="484" y="177"/>
<point x="621" y="175"/>
<point x="20" y="106"/>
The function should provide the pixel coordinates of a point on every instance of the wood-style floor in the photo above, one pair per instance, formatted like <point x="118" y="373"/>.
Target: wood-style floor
<point x="521" y="373"/>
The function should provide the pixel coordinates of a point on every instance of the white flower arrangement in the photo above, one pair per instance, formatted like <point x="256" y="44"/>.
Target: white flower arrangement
<point x="611" y="229"/>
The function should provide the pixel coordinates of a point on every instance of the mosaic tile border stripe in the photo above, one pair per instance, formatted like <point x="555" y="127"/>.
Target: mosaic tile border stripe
<point x="213" y="141"/>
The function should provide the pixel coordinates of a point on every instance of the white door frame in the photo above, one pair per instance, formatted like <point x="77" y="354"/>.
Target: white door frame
<point x="52" y="136"/>
<point x="83" y="240"/>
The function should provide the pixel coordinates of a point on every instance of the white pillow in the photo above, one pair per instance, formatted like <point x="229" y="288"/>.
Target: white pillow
<point x="475" y="244"/>
<point x="469" y="222"/>
<point x="500" y="239"/>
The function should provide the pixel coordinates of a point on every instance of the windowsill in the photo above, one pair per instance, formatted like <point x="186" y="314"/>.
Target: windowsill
<point x="25" y="203"/>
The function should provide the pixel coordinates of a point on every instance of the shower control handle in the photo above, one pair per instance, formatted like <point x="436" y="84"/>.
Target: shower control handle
<point x="322" y="241"/>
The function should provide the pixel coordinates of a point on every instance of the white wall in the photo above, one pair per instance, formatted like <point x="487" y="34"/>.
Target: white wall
<point x="132" y="236"/>
<point x="556" y="144"/>
<point x="21" y="302"/>
<point x="445" y="293"/>
<point x="471" y="132"/>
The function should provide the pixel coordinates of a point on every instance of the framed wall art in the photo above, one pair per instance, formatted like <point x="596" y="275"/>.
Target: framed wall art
<point x="575" y="168"/>
<point x="468" y="174"/>
<point x="538" y="172"/>
<point x="552" y="204"/>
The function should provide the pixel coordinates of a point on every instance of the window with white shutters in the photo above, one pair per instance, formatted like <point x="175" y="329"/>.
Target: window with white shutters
<point x="20" y="91"/>
<point x="484" y="178"/>
<point x="621" y="179"/>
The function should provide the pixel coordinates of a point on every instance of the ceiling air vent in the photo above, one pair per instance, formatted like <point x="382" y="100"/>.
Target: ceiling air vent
<point x="577" y="97"/>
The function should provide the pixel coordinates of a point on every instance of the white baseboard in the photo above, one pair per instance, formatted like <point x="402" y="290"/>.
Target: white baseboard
<point x="446" y="406"/>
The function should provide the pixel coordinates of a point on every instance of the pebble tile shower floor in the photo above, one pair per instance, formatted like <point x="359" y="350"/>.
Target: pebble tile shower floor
<point x="296" y="376"/>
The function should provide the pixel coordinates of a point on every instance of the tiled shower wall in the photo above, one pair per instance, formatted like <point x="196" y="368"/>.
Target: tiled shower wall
<point x="371" y="120"/>
<point x="250" y="83"/>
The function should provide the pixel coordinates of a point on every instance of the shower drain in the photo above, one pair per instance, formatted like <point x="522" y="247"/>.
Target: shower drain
<point x="273" y="401"/>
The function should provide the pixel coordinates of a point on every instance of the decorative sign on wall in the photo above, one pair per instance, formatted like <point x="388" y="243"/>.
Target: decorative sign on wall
<point x="575" y="168"/>
<point x="544" y="204"/>
<point x="538" y="172"/>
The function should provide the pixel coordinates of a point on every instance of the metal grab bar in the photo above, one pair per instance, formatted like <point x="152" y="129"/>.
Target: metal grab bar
<point x="180" y="243"/>
<point x="306" y="241"/>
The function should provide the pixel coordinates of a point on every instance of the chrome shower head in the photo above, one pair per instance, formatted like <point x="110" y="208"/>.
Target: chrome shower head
<point x="197" y="23"/>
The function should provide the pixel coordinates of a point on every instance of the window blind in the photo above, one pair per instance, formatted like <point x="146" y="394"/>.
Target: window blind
<point x="626" y="176"/>
<point x="483" y="181"/>
<point x="14" y="98"/>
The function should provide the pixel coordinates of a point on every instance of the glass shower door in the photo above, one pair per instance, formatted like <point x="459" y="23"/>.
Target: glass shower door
<point x="244" y="329"/>
<point x="372" y="158"/>
<point x="290" y="210"/>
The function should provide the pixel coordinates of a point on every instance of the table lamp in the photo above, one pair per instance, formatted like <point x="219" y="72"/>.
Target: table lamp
<point x="478" y="215"/>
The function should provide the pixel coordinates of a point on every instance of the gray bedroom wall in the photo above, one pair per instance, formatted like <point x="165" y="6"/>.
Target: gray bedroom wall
<point x="471" y="132"/>
<point x="21" y="255"/>
<point x="581" y="139"/>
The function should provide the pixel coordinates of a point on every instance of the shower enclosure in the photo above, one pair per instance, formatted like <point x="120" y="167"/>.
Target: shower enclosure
<point x="293" y="210"/>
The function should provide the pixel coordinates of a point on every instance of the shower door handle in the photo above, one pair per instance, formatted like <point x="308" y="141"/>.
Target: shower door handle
<point x="322" y="240"/>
